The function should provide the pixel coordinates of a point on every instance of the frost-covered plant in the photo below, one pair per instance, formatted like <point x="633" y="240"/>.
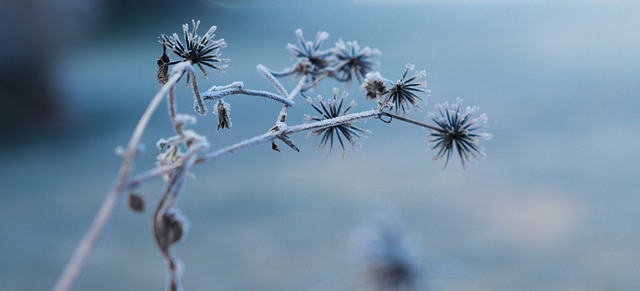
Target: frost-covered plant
<point x="329" y="109"/>
<point x="332" y="119"/>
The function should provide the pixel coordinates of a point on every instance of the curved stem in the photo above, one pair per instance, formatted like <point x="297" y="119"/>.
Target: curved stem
<point x="283" y="73"/>
<point x="170" y="195"/>
<point x="158" y="219"/>
<point x="94" y="233"/>
<point x="216" y="94"/>
<point x="196" y="94"/>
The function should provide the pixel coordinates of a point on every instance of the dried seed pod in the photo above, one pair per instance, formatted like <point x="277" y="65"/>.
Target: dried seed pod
<point x="136" y="202"/>
<point x="223" y="112"/>
<point x="171" y="228"/>
<point x="274" y="146"/>
<point x="163" y="68"/>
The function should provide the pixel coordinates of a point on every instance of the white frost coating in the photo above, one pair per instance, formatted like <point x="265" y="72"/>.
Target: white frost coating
<point x="181" y="67"/>
<point x="331" y="122"/>
<point x="226" y="106"/>
<point x="272" y="79"/>
<point x="186" y="119"/>
<point x="420" y="74"/>
<point x="321" y="36"/>
<point x="410" y="67"/>
<point x="210" y="32"/>
<point x="233" y="85"/>
<point x="371" y="78"/>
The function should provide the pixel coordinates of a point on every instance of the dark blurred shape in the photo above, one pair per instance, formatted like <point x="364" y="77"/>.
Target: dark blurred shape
<point x="34" y="33"/>
<point x="136" y="202"/>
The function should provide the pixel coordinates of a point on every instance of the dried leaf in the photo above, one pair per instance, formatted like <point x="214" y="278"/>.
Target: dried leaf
<point x="136" y="202"/>
<point x="171" y="228"/>
<point x="274" y="146"/>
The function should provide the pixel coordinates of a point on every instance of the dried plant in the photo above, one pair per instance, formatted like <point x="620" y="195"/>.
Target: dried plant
<point x="333" y="120"/>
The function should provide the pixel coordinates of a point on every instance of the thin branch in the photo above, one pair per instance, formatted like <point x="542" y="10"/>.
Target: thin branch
<point x="283" y="73"/>
<point x="196" y="94"/>
<point x="215" y="94"/>
<point x="173" y="189"/>
<point x="172" y="107"/>
<point x="331" y="122"/>
<point x="140" y="179"/>
<point x="266" y="73"/>
<point x="257" y="140"/>
<point x="94" y="233"/>
<point x="269" y="136"/>
<point x="282" y="116"/>
<point x="409" y="120"/>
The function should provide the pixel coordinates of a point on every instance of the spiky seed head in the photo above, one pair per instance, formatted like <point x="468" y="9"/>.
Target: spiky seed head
<point x="457" y="131"/>
<point x="404" y="94"/>
<point x="199" y="50"/>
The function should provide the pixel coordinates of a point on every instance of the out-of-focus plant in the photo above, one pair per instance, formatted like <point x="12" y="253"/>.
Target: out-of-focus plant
<point x="450" y="130"/>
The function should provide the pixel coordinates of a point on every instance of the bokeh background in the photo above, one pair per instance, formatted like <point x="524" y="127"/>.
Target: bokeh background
<point x="554" y="205"/>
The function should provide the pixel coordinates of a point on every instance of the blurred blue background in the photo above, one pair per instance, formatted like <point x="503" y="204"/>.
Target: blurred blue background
<point x="554" y="205"/>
